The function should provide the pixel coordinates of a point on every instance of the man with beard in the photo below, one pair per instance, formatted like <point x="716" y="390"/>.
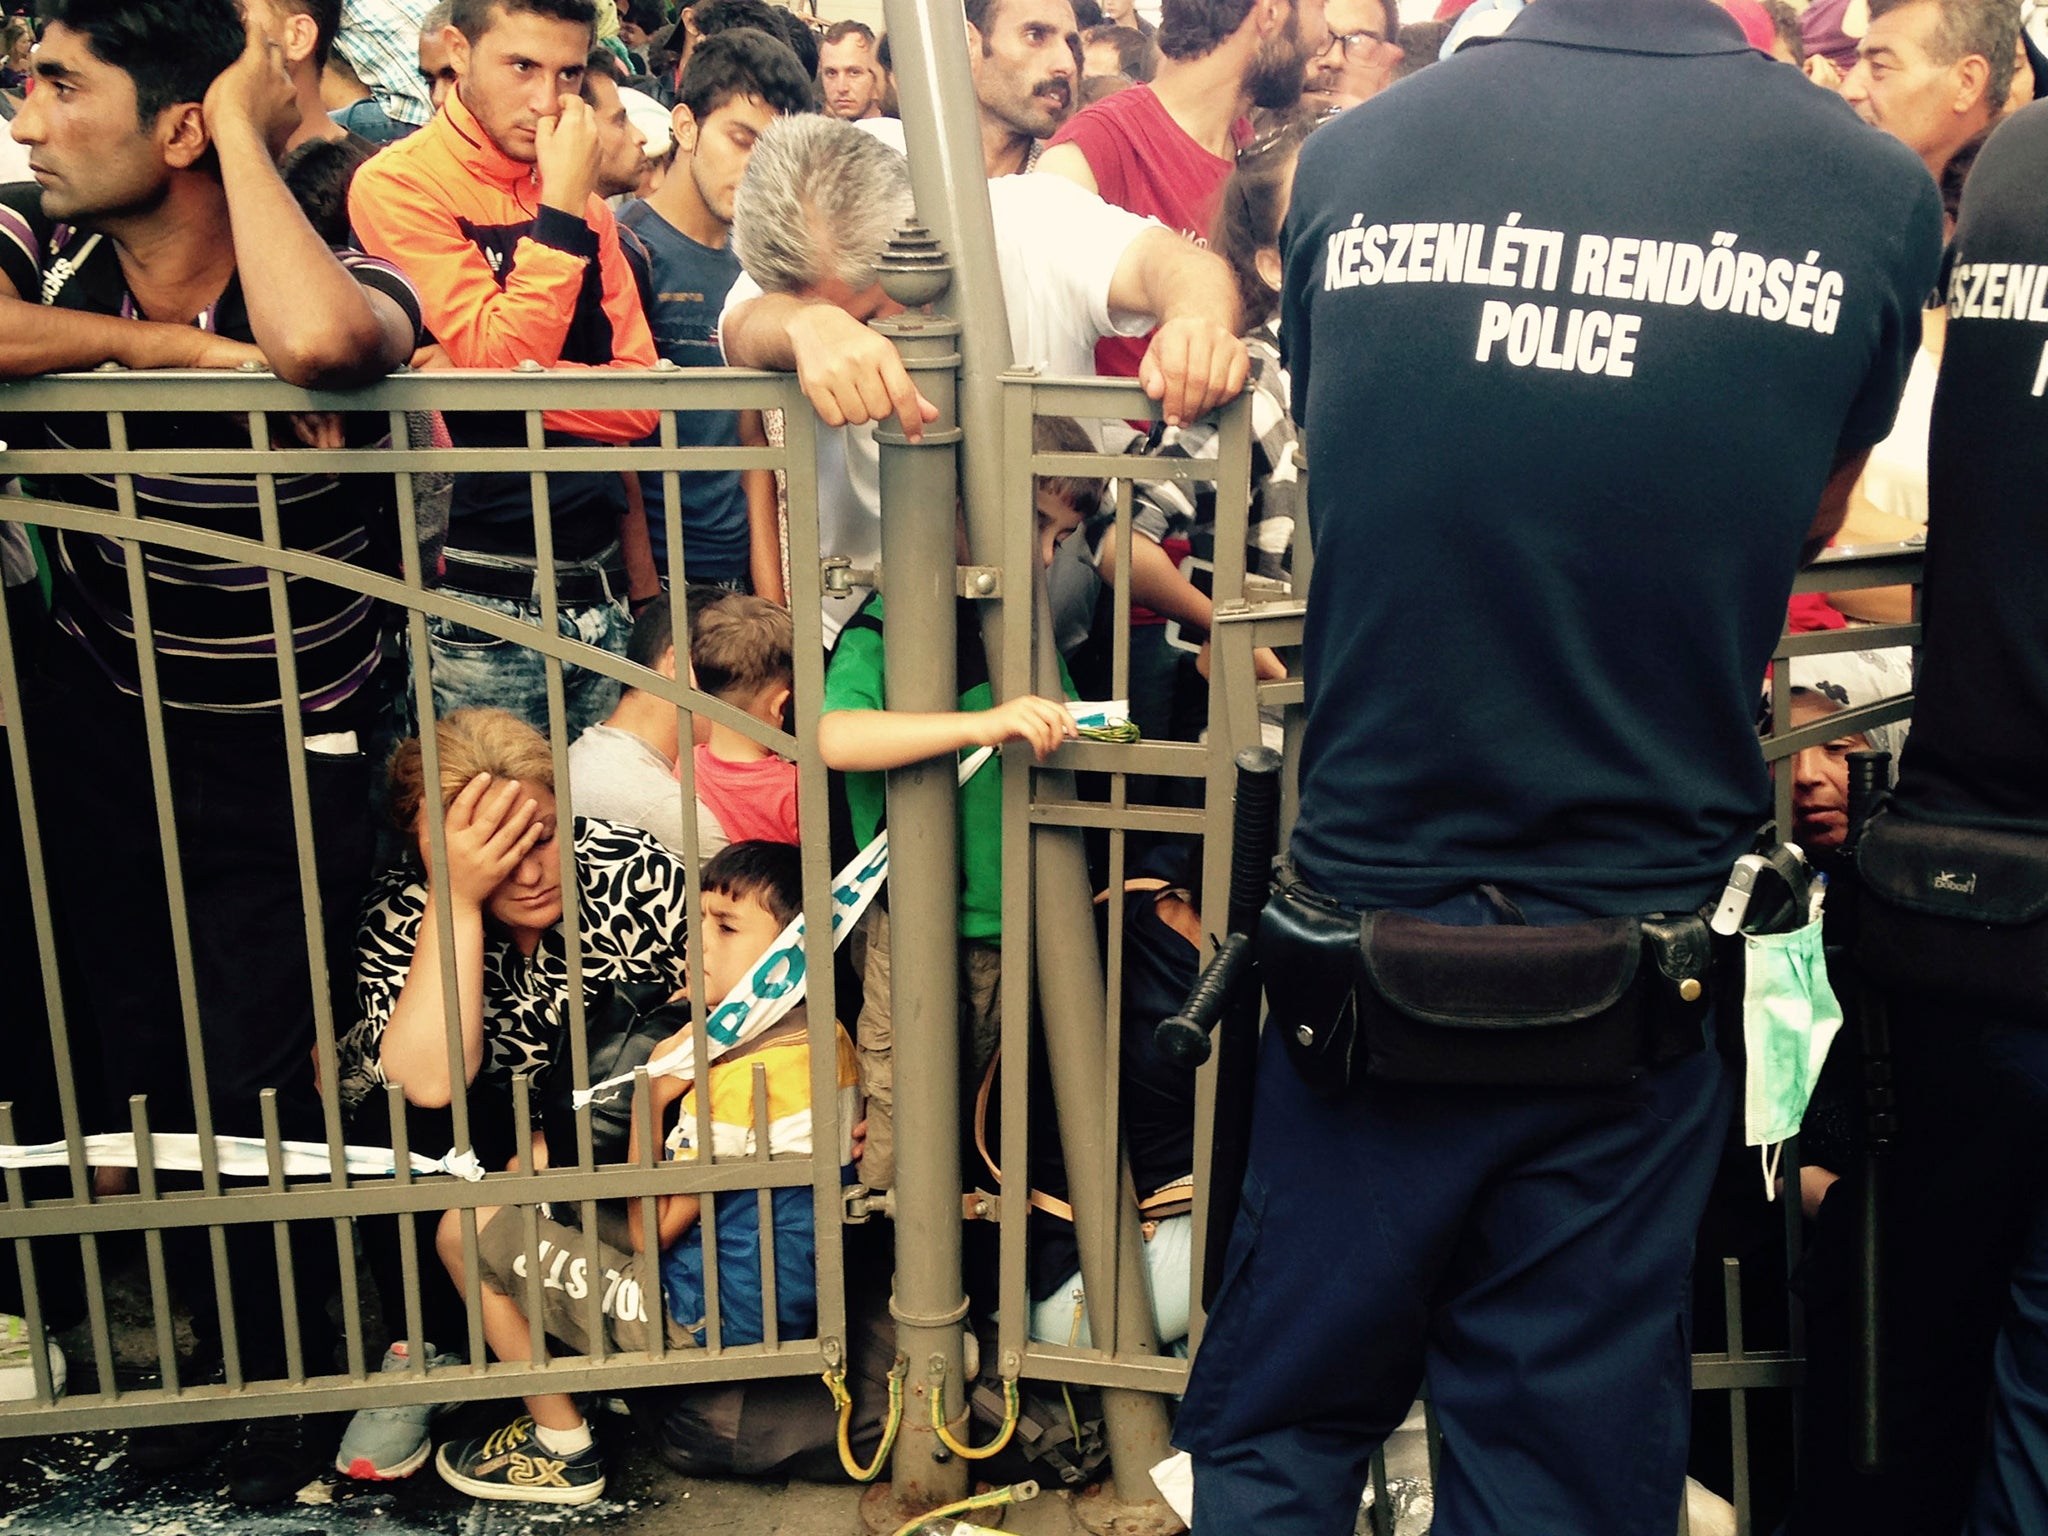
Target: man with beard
<point x="1164" y="149"/>
<point x="736" y="84"/>
<point x="1024" y="72"/>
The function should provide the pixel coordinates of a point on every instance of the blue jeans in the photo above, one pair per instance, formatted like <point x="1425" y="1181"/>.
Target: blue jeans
<point x="475" y="670"/>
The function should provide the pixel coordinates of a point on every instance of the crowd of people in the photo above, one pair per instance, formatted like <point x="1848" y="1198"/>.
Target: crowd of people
<point x="337" y="189"/>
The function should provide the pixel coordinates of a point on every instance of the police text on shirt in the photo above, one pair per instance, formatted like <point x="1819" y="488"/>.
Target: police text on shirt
<point x="1716" y="277"/>
<point x="2002" y="290"/>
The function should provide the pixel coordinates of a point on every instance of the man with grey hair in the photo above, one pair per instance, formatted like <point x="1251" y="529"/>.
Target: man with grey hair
<point x="817" y="207"/>
<point x="1935" y="73"/>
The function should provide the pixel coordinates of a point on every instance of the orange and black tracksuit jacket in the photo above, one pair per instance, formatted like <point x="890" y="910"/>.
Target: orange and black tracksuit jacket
<point x="502" y="281"/>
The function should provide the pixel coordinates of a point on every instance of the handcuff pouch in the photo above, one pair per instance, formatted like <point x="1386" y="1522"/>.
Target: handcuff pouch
<point x="1502" y="1005"/>
<point x="1308" y="957"/>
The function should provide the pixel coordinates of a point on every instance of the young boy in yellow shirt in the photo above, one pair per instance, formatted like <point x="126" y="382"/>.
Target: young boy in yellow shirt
<point x="751" y="891"/>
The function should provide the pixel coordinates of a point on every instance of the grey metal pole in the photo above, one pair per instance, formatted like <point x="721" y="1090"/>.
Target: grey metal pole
<point x="941" y="121"/>
<point x="919" y="489"/>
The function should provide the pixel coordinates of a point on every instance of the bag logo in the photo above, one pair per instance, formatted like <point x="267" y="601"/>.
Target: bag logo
<point x="1960" y="885"/>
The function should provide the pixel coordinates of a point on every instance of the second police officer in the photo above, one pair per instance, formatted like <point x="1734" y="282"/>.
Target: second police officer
<point x="1641" y="352"/>
<point x="1953" y="922"/>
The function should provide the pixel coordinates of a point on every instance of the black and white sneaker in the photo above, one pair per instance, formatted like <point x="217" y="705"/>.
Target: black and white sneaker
<point x="512" y="1464"/>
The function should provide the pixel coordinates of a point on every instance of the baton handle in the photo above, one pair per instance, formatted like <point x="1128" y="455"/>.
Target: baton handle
<point x="1869" y="777"/>
<point x="1184" y="1038"/>
<point x="1254" y="837"/>
<point x="1255" y="832"/>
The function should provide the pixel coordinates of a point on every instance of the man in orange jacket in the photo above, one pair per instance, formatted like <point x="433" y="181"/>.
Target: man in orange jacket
<point x="492" y="210"/>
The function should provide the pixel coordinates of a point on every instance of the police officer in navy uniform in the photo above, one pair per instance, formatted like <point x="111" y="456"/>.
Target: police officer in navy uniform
<point x="1965" y="1267"/>
<point x="1652" y="298"/>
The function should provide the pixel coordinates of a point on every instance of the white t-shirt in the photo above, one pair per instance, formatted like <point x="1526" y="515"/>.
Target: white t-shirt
<point x="1895" y="478"/>
<point x="1057" y="246"/>
<point x="615" y="776"/>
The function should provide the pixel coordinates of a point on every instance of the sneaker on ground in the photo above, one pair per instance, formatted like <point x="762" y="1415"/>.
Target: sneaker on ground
<point x="512" y="1464"/>
<point x="17" y="1366"/>
<point x="271" y="1464"/>
<point x="385" y="1443"/>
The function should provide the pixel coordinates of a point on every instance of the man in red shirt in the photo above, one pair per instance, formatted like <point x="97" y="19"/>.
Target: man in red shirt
<point x="1164" y="149"/>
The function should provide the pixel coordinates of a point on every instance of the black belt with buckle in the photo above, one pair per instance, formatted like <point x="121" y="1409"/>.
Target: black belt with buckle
<point x="578" y="584"/>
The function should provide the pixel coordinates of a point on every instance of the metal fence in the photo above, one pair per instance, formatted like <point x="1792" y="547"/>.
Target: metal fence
<point x="1045" y="941"/>
<point x="338" y="1198"/>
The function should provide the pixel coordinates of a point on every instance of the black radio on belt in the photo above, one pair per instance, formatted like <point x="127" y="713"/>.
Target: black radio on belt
<point x="1397" y="998"/>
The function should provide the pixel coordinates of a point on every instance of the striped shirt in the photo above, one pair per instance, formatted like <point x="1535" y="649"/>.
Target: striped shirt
<point x="380" y="39"/>
<point x="211" y="620"/>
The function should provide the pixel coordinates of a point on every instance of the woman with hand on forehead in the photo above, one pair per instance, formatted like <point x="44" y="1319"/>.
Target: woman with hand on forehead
<point x="503" y="889"/>
<point x="503" y="893"/>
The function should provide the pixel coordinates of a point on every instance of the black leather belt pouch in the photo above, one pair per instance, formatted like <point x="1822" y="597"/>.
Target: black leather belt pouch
<point x="1958" y="911"/>
<point x="1503" y="1006"/>
<point x="1308" y="958"/>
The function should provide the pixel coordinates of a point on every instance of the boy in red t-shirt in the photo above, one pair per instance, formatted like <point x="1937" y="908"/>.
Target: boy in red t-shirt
<point x="740" y="654"/>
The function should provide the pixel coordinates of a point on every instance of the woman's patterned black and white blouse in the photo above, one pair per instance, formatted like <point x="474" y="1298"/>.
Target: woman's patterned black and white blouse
<point x="630" y="912"/>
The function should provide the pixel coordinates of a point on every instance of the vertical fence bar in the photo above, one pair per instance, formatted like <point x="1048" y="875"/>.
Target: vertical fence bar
<point x="529" y="1224"/>
<point x="919" y="487"/>
<point x="764" y="1209"/>
<point x="1738" y="1396"/>
<point x="1010" y="659"/>
<point x="800" y="466"/>
<point x="287" y="1276"/>
<point x="289" y="695"/>
<point x="654" y="1303"/>
<point x="546" y="593"/>
<point x="408" y="1235"/>
<point x="153" y="1245"/>
<point x="43" y="922"/>
<point x="135" y="553"/>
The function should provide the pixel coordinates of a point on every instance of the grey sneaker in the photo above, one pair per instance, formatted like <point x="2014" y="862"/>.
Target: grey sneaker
<point x="384" y="1443"/>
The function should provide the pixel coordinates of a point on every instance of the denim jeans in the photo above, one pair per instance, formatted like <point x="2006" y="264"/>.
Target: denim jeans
<point x="472" y="669"/>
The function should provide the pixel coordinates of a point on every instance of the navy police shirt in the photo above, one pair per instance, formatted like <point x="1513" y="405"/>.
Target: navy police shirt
<point x="1979" y="749"/>
<point x="1636" y="289"/>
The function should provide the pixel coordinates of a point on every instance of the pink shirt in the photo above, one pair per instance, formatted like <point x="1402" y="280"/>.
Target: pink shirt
<point x="751" y="800"/>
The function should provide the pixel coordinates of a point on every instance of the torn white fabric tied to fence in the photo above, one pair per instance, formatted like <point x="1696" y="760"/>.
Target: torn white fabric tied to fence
<point x="241" y="1157"/>
<point x="777" y="982"/>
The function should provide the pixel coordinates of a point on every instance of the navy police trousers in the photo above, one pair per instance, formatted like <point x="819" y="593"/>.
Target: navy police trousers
<point x="1525" y="1253"/>
<point x="1965" y="1341"/>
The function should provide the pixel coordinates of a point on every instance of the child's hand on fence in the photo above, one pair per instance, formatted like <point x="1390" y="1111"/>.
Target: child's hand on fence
<point x="1040" y="723"/>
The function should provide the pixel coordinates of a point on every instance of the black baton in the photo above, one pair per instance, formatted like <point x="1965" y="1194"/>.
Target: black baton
<point x="1869" y="775"/>
<point x="1226" y="994"/>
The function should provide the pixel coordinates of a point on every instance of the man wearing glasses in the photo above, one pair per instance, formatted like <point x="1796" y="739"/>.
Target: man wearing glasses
<point x="1360" y="58"/>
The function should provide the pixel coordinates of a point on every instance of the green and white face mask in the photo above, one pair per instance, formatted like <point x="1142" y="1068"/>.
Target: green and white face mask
<point x="1789" y="1019"/>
